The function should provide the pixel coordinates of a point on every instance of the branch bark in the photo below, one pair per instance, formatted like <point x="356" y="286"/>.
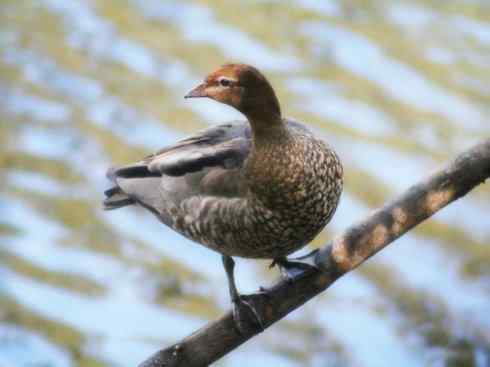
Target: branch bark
<point x="347" y="251"/>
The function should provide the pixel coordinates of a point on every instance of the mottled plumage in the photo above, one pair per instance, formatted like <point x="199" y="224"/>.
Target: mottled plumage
<point x="212" y="190"/>
<point x="257" y="189"/>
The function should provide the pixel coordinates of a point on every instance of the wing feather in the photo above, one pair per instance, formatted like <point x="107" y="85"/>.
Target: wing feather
<point x="207" y="163"/>
<point x="225" y="146"/>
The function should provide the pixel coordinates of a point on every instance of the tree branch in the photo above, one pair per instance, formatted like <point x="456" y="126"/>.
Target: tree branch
<point x="347" y="251"/>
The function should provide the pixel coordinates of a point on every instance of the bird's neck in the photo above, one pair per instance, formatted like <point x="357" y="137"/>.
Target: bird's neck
<point x="266" y="164"/>
<point x="262" y="109"/>
<point x="267" y="129"/>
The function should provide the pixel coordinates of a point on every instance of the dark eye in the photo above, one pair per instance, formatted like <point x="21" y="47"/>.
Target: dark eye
<point x="225" y="82"/>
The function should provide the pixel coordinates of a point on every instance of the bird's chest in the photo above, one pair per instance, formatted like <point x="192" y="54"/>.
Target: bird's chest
<point x="275" y="176"/>
<point x="292" y="181"/>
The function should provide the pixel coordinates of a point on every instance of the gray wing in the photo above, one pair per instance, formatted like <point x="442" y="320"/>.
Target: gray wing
<point x="208" y="163"/>
<point x="224" y="146"/>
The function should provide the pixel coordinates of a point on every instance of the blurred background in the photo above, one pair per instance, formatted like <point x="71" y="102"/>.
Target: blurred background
<point x="397" y="87"/>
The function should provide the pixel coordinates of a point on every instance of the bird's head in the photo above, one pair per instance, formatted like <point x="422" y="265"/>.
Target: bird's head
<point x="242" y="87"/>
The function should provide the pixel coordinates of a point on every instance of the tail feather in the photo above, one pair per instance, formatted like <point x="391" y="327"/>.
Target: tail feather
<point x="116" y="198"/>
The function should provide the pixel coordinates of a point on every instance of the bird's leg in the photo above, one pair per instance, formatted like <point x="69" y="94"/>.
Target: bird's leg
<point x="242" y="304"/>
<point x="291" y="269"/>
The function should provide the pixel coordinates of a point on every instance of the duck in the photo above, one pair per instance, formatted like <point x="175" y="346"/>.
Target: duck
<point x="261" y="188"/>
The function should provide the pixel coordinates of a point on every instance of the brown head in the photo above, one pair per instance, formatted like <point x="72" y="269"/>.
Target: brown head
<point x="244" y="88"/>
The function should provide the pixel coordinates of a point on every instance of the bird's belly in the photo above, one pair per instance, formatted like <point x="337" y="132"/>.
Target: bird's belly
<point x="252" y="231"/>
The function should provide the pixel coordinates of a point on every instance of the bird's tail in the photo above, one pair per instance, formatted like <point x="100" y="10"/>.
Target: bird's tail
<point x="116" y="198"/>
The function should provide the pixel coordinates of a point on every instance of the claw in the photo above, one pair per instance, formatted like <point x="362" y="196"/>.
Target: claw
<point x="244" y="312"/>
<point x="308" y="259"/>
<point x="294" y="268"/>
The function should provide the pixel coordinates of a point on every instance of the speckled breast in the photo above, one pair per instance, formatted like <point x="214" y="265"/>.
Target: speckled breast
<point x="295" y="194"/>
